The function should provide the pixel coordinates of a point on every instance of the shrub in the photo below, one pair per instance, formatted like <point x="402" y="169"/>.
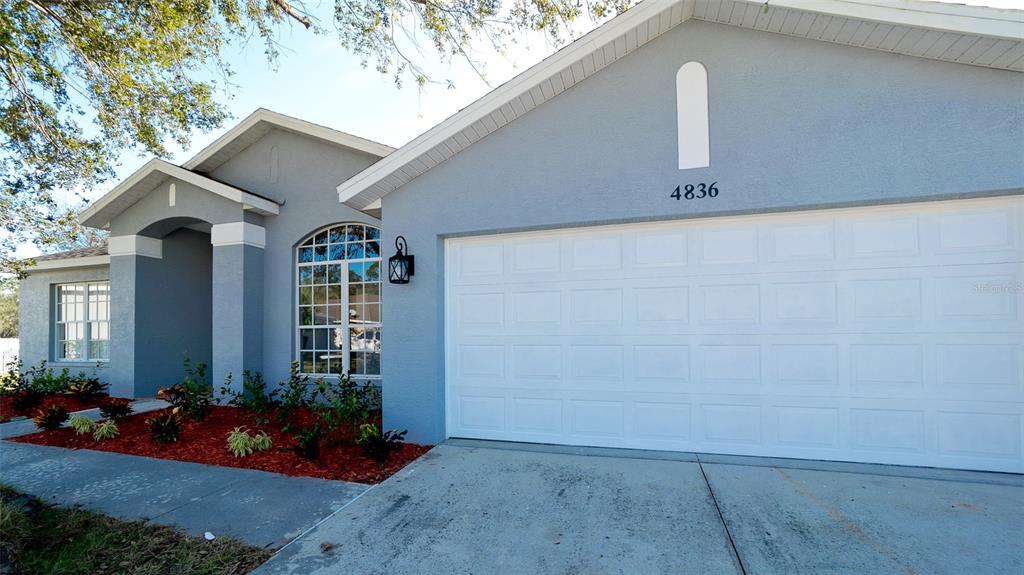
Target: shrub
<point x="242" y="444"/>
<point x="87" y="387"/>
<point x="295" y="394"/>
<point x="51" y="417"/>
<point x="45" y="380"/>
<point x="116" y="408"/>
<point x="82" y="424"/>
<point x="193" y="395"/>
<point x="377" y="445"/>
<point x="11" y="381"/>
<point x="165" y="427"/>
<point x="254" y="395"/>
<point x="27" y="399"/>
<point x="106" y="430"/>
<point x="346" y="402"/>
<point x="307" y="442"/>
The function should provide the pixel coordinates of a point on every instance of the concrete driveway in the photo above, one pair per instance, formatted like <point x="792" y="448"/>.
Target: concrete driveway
<point x="480" y="507"/>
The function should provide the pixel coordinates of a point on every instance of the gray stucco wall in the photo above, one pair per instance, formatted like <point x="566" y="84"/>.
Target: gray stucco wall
<point x="160" y="311"/>
<point x="307" y="173"/>
<point x="795" y="124"/>
<point x="36" y="316"/>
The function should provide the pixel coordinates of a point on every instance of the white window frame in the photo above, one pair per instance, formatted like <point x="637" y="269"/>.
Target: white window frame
<point x="346" y="325"/>
<point x="58" y="343"/>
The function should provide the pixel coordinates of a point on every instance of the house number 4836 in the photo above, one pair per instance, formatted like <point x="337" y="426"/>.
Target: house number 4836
<point x="692" y="192"/>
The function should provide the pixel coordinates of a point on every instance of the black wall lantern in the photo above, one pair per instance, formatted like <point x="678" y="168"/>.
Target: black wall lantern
<point x="401" y="266"/>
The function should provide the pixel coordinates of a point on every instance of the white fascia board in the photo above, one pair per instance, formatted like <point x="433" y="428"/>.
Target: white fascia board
<point x="69" y="263"/>
<point x="288" y="123"/>
<point x="961" y="19"/>
<point x="238" y="233"/>
<point x="119" y="189"/>
<point x="135" y="246"/>
<point x="498" y="97"/>
<point x="249" y="201"/>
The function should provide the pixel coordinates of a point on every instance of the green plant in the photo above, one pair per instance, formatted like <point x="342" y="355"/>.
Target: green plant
<point x="262" y="442"/>
<point x="11" y="381"/>
<point x="86" y="388"/>
<point x="45" y="380"/>
<point x="242" y="444"/>
<point x="116" y="408"/>
<point x="193" y="395"/>
<point x="51" y="417"/>
<point x="307" y="442"/>
<point x="295" y="394"/>
<point x="106" y="430"/>
<point x="345" y="402"/>
<point x="165" y="427"/>
<point x="377" y="445"/>
<point x="81" y="424"/>
<point x="254" y="396"/>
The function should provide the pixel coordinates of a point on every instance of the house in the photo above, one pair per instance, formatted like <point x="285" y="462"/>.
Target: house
<point x="791" y="231"/>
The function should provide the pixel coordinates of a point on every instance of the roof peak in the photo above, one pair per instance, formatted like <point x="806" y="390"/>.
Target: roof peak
<point x="972" y="35"/>
<point x="259" y="123"/>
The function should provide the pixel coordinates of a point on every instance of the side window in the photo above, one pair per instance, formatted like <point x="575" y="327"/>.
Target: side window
<point x="692" y="110"/>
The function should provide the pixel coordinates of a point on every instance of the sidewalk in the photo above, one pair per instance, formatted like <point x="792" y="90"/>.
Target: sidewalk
<point x="260" y="508"/>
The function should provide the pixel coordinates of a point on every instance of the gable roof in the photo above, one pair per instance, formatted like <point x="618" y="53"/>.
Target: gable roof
<point x="154" y="173"/>
<point x="954" y="33"/>
<point x="79" y="258"/>
<point x="257" y="124"/>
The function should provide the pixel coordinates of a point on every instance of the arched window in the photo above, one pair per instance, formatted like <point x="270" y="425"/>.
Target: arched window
<point x="339" y="301"/>
<point x="692" y="110"/>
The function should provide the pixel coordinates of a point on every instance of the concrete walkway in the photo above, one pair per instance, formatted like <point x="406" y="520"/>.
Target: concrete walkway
<point x="260" y="508"/>
<point x="484" y="507"/>
<point x="24" y="426"/>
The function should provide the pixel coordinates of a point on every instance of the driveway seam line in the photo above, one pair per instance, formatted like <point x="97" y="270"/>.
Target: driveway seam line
<point x="728" y="533"/>
<point x="318" y="523"/>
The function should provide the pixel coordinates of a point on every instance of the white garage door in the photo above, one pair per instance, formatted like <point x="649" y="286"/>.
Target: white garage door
<point x="885" y="334"/>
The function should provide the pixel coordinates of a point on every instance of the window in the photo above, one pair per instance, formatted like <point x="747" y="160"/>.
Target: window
<point x="82" y="330"/>
<point x="339" y="301"/>
<point x="692" y="110"/>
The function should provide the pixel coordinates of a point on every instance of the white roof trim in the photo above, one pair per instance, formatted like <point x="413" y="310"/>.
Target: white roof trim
<point x="69" y="263"/>
<point x="969" y="35"/>
<point x="98" y="215"/>
<point x="202" y="161"/>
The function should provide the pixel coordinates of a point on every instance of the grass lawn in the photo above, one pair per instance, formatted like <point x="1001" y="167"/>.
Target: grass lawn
<point x="40" y="539"/>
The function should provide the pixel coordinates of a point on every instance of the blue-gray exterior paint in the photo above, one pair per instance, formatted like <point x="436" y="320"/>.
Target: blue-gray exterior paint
<point x="36" y="316"/>
<point x="160" y="312"/>
<point x="795" y="124"/>
<point x="233" y="306"/>
<point x="308" y="171"/>
<point x="237" y="312"/>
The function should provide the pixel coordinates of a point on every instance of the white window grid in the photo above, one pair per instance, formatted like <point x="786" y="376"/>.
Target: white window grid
<point x="338" y="284"/>
<point x="82" y="322"/>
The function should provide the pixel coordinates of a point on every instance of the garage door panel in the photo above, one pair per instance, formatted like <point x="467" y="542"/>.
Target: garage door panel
<point x="885" y="334"/>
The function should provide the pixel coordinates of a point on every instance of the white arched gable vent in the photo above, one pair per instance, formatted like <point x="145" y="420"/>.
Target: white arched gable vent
<point x="692" y="109"/>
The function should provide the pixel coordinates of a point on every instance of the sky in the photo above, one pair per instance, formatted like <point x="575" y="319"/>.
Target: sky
<point x="317" y="80"/>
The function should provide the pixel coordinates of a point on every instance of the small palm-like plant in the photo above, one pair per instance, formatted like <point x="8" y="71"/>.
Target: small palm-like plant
<point x="165" y="427"/>
<point x="106" y="430"/>
<point x="51" y="417"/>
<point x="81" y="424"/>
<point x="116" y="408"/>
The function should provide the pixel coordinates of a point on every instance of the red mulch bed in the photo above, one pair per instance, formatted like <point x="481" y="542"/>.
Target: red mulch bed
<point x="72" y="404"/>
<point x="207" y="442"/>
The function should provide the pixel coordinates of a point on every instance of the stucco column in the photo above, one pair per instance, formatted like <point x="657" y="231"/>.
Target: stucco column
<point x="237" y="301"/>
<point x="130" y="258"/>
